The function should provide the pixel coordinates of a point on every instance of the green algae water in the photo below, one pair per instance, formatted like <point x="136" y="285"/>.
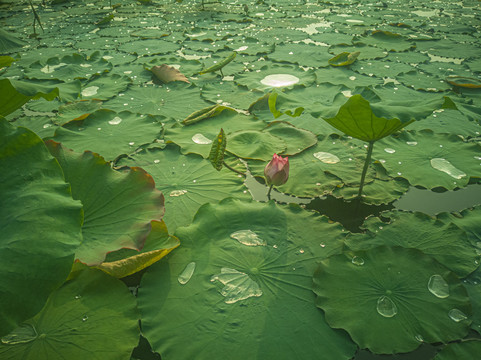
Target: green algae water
<point x="108" y="116"/>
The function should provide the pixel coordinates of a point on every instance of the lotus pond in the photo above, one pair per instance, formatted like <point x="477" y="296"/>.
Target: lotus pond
<point x="135" y="218"/>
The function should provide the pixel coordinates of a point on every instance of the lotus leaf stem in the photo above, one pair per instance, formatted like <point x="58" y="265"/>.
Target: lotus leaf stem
<point x="366" y="166"/>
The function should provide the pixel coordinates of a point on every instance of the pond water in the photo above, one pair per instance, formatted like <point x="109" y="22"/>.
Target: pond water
<point x="372" y="246"/>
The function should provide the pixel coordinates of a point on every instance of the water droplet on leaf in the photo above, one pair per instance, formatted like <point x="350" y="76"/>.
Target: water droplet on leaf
<point x="248" y="237"/>
<point x="438" y="286"/>
<point x="386" y="307"/>
<point x="186" y="274"/>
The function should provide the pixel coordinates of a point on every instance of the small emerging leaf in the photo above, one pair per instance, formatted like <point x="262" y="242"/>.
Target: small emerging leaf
<point x="217" y="150"/>
<point x="219" y="65"/>
<point x="272" y="107"/>
<point x="344" y="58"/>
<point x="166" y="74"/>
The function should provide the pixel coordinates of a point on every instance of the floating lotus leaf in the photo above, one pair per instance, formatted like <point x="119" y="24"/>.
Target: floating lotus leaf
<point x="465" y="350"/>
<point x="92" y="316"/>
<point x="118" y="206"/>
<point x="445" y="242"/>
<point x="468" y="220"/>
<point x="165" y="74"/>
<point x="253" y="144"/>
<point x="187" y="181"/>
<point x="302" y="54"/>
<point x="69" y="67"/>
<point x="78" y="110"/>
<point x="105" y="87"/>
<point x="387" y="40"/>
<point x="109" y="133"/>
<point x="344" y="76"/>
<point x="230" y="94"/>
<point x="344" y="58"/>
<point x="297" y="140"/>
<point x="9" y="43"/>
<point x="176" y="100"/>
<point x="392" y="299"/>
<point x="465" y="82"/>
<point x="474" y="291"/>
<point x="40" y="225"/>
<point x="150" y="47"/>
<point x="429" y="160"/>
<point x="240" y="282"/>
<point x="356" y="118"/>
<point x="125" y="262"/>
<point x="197" y="138"/>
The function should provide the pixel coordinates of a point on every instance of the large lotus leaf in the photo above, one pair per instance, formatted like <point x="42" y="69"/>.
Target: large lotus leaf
<point x="14" y="93"/>
<point x="239" y="286"/>
<point x="40" y="225"/>
<point x="356" y="118"/>
<point x="382" y="69"/>
<point x="276" y="76"/>
<point x="448" y="48"/>
<point x="250" y="46"/>
<point x="188" y="181"/>
<point x="175" y="100"/>
<point x="297" y="140"/>
<point x="77" y="110"/>
<point x="125" y="262"/>
<point x="197" y="138"/>
<point x="253" y="144"/>
<point x="419" y="80"/>
<point x="469" y="349"/>
<point x="429" y="160"/>
<point x="392" y="299"/>
<point x="302" y="54"/>
<point x="69" y="67"/>
<point x="104" y="87"/>
<point x="390" y="101"/>
<point x="445" y="242"/>
<point x="109" y="133"/>
<point x="92" y="316"/>
<point x="386" y="40"/>
<point x="118" y="206"/>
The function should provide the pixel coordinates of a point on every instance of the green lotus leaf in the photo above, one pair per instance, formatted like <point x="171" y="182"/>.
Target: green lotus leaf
<point x="69" y="67"/>
<point x="104" y="87"/>
<point x="302" y="54"/>
<point x="474" y="292"/>
<point x="468" y="220"/>
<point x="13" y="94"/>
<point x="150" y="47"/>
<point x="356" y="118"/>
<point x="392" y="299"/>
<point x="40" y="225"/>
<point x="118" y="206"/>
<point x="176" y="100"/>
<point x="77" y="110"/>
<point x="6" y="61"/>
<point x="297" y="140"/>
<point x="253" y="144"/>
<point x="429" y="160"/>
<point x="413" y="79"/>
<point x="240" y="283"/>
<point x="188" y="181"/>
<point x="125" y="262"/>
<point x="109" y="133"/>
<point x="469" y="349"/>
<point x="344" y="76"/>
<point x="197" y="138"/>
<point x="230" y="94"/>
<point x="9" y="43"/>
<point x="92" y="316"/>
<point x="445" y="242"/>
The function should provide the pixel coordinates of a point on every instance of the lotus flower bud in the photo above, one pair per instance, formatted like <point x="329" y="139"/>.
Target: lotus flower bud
<point x="277" y="170"/>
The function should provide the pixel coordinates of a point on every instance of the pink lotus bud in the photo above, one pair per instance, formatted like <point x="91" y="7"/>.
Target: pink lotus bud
<point x="277" y="171"/>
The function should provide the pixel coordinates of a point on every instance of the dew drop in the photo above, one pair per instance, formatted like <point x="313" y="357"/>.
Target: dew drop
<point x="115" y="121"/>
<point x="46" y="126"/>
<point x="356" y="260"/>
<point x="156" y="161"/>
<point x="412" y="143"/>
<point x="457" y="315"/>
<point x="301" y="251"/>
<point x="322" y="245"/>
<point x="186" y="274"/>
<point x="446" y="167"/>
<point x="419" y="338"/>
<point x="237" y="285"/>
<point x="326" y="157"/>
<point x="178" y="192"/>
<point x="280" y="80"/>
<point x="90" y="91"/>
<point x="77" y="297"/>
<point x="131" y="143"/>
<point x="248" y="237"/>
<point x="24" y="333"/>
<point x="85" y="318"/>
<point x="386" y="307"/>
<point x="389" y="150"/>
<point x="438" y="286"/>
<point x="201" y="139"/>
